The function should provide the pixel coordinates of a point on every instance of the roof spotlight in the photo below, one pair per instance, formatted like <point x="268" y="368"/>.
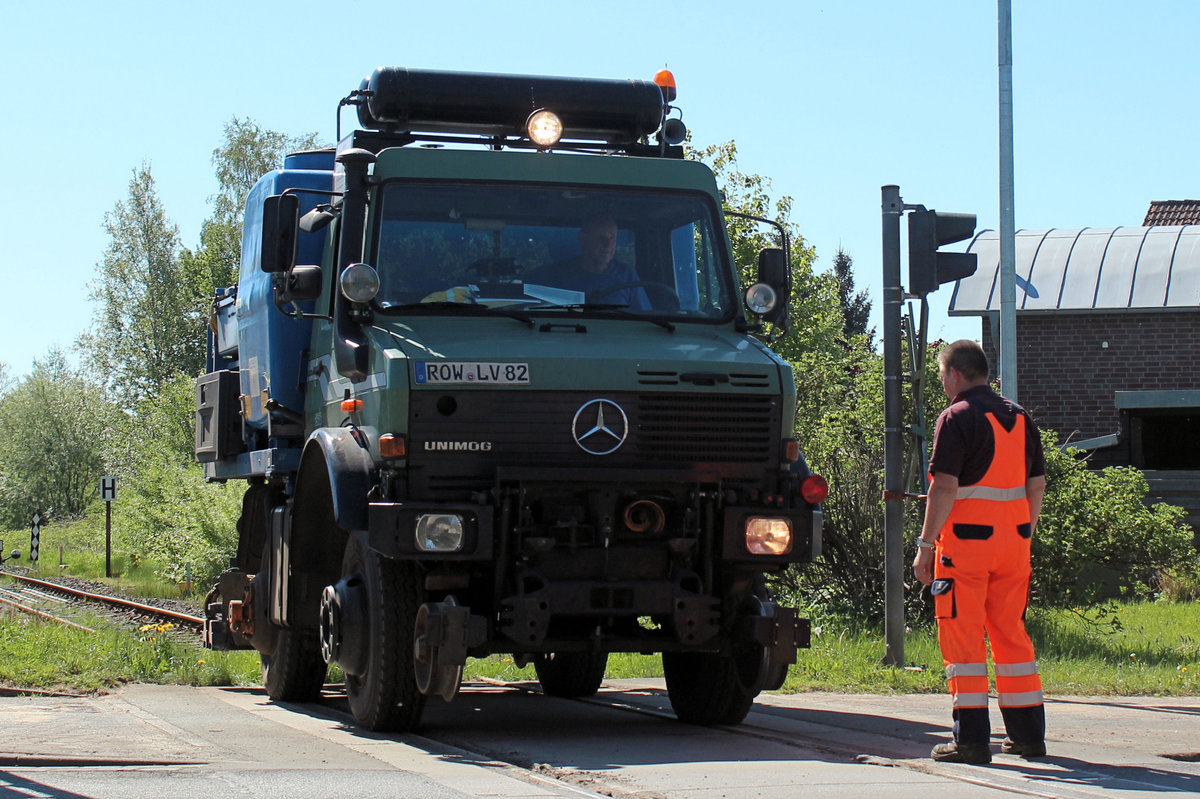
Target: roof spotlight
<point x="544" y="128"/>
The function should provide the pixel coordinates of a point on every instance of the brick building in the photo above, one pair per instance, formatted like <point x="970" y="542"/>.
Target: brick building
<point x="1108" y="333"/>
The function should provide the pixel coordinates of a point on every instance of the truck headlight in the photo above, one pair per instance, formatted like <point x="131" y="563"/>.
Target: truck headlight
<point x="439" y="532"/>
<point x="766" y="535"/>
<point x="761" y="299"/>
<point x="359" y="283"/>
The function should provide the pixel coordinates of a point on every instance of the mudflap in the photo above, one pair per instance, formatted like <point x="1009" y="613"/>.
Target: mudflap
<point x="780" y="633"/>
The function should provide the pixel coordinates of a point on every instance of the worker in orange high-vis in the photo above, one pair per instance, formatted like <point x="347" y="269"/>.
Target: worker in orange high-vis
<point x="988" y="478"/>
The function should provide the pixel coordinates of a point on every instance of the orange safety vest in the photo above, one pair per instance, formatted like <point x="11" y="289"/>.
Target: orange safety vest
<point x="998" y="499"/>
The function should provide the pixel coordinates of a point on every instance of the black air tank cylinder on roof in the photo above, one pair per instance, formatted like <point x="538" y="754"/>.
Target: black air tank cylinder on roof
<point x="481" y="103"/>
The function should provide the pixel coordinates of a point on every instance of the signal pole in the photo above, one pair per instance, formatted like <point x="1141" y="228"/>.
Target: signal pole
<point x="893" y="432"/>
<point x="928" y="268"/>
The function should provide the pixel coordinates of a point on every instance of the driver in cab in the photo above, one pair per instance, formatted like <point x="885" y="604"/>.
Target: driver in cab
<point x="596" y="272"/>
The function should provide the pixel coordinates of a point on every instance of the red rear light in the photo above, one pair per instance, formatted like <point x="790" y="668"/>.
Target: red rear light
<point x="814" y="489"/>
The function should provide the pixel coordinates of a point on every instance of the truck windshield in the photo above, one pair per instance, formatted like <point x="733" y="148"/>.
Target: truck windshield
<point x="545" y="248"/>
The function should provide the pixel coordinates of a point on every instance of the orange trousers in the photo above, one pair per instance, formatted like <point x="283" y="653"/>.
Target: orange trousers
<point x="981" y="590"/>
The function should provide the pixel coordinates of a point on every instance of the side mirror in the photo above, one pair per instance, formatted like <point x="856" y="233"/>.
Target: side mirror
<point x="303" y="283"/>
<point x="317" y="218"/>
<point x="773" y="270"/>
<point x="280" y="221"/>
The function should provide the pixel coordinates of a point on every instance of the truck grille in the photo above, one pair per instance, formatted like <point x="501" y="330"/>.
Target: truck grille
<point x="457" y="439"/>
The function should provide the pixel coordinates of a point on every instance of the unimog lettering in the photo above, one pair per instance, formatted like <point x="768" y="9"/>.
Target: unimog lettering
<point x="414" y="498"/>
<point x="458" y="446"/>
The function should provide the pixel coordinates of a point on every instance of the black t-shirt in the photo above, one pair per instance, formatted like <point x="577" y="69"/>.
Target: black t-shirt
<point x="963" y="444"/>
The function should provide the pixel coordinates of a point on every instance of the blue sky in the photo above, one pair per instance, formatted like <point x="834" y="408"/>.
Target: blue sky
<point x="831" y="100"/>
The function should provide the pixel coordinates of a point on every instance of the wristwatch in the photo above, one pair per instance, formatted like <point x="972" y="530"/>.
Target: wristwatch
<point x="923" y="544"/>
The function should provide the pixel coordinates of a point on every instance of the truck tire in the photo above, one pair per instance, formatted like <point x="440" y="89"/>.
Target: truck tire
<point x="384" y="698"/>
<point x="296" y="672"/>
<point x="571" y="674"/>
<point x="708" y="688"/>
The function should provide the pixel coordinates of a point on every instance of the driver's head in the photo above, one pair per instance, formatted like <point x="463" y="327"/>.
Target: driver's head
<point x="598" y="243"/>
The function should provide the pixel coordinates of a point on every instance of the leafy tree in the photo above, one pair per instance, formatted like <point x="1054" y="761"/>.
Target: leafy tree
<point x="815" y="320"/>
<point x="148" y="326"/>
<point x="54" y="428"/>
<point x="247" y="152"/>
<point x="176" y="518"/>
<point x="856" y="308"/>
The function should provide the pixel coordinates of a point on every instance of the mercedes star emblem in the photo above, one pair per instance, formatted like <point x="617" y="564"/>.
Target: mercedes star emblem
<point x="600" y="427"/>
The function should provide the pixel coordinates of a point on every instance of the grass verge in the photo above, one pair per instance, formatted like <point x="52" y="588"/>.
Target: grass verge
<point x="1152" y="650"/>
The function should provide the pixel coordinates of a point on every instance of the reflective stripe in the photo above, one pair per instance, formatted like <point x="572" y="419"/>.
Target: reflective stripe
<point x="970" y="700"/>
<point x="966" y="670"/>
<point x="1024" y="699"/>
<point x="1016" y="669"/>
<point x="991" y="493"/>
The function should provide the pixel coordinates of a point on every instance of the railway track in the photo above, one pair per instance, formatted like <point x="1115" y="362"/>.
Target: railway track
<point x="770" y="734"/>
<point x="55" y="601"/>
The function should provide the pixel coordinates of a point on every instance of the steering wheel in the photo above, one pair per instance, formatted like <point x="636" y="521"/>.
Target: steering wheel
<point x="662" y="289"/>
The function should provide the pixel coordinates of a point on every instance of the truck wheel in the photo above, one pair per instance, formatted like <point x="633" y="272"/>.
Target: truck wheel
<point x="708" y="688"/>
<point x="384" y="697"/>
<point x="571" y="674"/>
<point x="296" y="672"/>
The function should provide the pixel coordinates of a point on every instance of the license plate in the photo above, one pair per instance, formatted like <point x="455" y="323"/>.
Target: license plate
<point x="471" y="372"/>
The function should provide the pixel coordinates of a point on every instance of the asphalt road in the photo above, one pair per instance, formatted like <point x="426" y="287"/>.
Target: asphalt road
<point x="509" y="741"/>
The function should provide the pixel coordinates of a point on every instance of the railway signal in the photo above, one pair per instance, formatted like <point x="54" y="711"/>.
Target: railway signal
<point x="35" y="536"/>
<point x="108" y="493"/>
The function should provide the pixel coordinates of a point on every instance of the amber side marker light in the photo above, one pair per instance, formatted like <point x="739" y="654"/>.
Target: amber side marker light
<point x="392" y="446"/>
<point x="352" y="405"/>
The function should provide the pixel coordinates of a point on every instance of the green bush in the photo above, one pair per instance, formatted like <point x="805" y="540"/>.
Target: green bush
<point x="1097" y="539"/>
<point x="172" y="516"/>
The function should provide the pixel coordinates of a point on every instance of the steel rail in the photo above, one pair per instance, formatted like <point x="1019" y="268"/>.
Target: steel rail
<point x="195" y="621"/>
<point x="46" y="616"/>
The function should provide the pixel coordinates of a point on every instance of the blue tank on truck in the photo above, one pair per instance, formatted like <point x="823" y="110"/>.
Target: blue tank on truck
<point x="494" y="389"/>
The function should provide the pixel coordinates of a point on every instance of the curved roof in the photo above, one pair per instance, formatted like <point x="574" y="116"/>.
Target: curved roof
<point x="1108" y="269"/>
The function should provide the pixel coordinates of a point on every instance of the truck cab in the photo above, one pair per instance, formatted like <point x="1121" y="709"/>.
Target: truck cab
<point x="494" y="387"/>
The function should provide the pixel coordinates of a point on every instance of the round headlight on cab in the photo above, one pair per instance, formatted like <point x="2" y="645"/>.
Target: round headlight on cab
<point x="544" y="128"/>
<point x="766" y="535"/>
<point x="439" y="532"/>
<point x="760" y="299"/>
<point x="359" y="283"/>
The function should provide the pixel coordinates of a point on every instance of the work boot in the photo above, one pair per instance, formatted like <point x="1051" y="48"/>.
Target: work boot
<point x="955" y="752"/>
<point x="1011" y="747"/>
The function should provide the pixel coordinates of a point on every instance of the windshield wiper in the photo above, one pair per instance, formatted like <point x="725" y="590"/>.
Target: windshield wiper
<point x="462" y="307"/>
